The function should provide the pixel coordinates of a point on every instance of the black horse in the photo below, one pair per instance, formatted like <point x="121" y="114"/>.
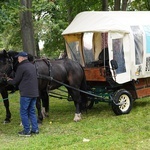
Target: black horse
<point x="51" y="74"/>
<point x="4" y="61"/>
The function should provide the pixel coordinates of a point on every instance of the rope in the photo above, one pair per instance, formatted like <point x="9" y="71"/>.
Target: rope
<point x="66" y="85"/>
<point x="3" y="99"/>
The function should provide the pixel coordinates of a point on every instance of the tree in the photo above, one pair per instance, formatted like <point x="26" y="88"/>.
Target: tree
<point x="49" y="18"/>
<point x="104" y="5"/>
<point x="10" y="26"/>
<point x="124" y="5"/>
<point x="117" y="5"/>
<point x="120" y="6"/>
<point x="141" y="5"/>
<point x="49" y="24"/>
<point x="27" y="31"/>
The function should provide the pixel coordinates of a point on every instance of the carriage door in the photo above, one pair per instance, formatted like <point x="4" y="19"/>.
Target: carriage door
<point x="119" y="50"/>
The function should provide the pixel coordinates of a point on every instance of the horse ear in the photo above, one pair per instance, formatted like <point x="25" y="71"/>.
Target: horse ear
<point x="11" y="53"/>
<point x="4" y="52"/>
<point x="30" y="57"/>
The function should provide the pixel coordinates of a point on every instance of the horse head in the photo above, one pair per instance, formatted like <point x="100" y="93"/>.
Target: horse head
<point x="6" y="66"/>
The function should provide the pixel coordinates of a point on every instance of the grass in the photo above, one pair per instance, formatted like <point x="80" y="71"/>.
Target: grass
<point x="103" y="129"/>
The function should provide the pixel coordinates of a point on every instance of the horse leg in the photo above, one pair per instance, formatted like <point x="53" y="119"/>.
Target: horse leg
<point x="77" y="116"/>
<point x="38" y="106"/>
<point x="4" y="94"/>
<point x="77" y="100"/>
<point x="45" y="103"/>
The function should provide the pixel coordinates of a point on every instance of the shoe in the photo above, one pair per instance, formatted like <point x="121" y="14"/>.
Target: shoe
<point x="25" y="134"/>
<point x="35" y="132"/>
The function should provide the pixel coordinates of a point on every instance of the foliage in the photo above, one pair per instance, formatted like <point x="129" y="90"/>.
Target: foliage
<point x="10" y="25"/>
<point x="140" y="5"/>
<point x="51" y="22"/>
<point x="50" y="17"/>
<point x="103" y="129"/>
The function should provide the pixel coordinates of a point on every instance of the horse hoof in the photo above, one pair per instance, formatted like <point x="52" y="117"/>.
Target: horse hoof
<point x="21" y="124"/>
<point x="76" y="120"/>
<point x="77" y="117"/>
<point x="43" y="112"/>
<point x="39" y="122"/>
<point x="46" y="114"/>
<point x="6" y="121"/>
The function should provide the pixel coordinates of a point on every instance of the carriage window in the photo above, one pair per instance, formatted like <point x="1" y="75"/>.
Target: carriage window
<point x="74" y="51"/>
<point x="138" y="40"/>
<point x="118" y="55"/>
<point x="87" y="47"/>
<point x="147" y="33"/>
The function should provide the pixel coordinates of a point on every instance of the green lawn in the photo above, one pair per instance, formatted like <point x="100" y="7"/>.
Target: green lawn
<point x="99" y="129"/>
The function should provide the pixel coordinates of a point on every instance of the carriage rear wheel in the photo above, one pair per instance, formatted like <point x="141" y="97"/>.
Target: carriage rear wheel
<point x="122" y="102"/>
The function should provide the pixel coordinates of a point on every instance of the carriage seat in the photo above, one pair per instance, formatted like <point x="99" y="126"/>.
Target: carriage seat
<point x="101" y="55"/>
<point x="100" y="61"/>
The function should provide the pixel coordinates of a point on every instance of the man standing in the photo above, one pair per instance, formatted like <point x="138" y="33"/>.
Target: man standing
<point x="26" y="80"/>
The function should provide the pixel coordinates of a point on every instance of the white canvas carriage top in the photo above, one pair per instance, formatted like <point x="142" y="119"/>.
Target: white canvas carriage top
<point x="106" y="21"/>
<point x="128" y="30"/>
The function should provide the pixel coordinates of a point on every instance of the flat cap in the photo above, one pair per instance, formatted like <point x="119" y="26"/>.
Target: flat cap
<point x="22" y="54"/>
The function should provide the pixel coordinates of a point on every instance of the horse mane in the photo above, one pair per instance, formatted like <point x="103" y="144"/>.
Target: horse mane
<point x="31" y="58"/>
<point x="12" y="53"/>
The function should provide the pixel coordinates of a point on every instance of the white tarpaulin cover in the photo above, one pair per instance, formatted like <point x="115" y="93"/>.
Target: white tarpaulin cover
<point x="106" y="21"/>
<point x="128" y="40"/>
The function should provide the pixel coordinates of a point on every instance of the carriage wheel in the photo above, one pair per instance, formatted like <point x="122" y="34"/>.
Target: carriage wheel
<point x="122" y="102"/>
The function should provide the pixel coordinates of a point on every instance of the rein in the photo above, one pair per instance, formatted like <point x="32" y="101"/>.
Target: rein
<point x="100" y="98"/>
<point x="68" y="86"/>
<point x="4" y="99"/>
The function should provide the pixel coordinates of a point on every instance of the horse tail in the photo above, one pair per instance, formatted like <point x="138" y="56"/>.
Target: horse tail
<point x="83" y="87"/>
<point x="83" y="83"/>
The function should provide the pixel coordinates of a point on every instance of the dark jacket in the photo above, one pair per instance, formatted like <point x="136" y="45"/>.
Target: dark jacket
<point x="26" y="79"/>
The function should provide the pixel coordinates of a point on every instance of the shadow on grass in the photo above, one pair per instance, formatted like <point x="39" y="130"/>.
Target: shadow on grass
<point x="63" y="111"/>
<point x="140" y="103"/>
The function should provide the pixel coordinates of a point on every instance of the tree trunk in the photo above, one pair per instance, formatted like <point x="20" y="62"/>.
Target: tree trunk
<point x="124" y="5"/>
<point x="117" y="5"/>
<point x="148" y="4"/>
<point x="37" y="47"/>
<point x="69" y="10"/>
<point x="27" y="28"/>
<point x="104" y="5"/>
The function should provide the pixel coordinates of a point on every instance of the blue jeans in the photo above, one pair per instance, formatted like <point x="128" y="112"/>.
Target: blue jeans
<point x="28" y="113"/>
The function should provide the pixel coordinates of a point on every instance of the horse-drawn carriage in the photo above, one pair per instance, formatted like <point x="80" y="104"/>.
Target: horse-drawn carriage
<point x="114" y="49"/>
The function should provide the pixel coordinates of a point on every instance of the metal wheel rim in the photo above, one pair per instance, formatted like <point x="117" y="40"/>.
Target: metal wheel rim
<point x="126" y="102"/>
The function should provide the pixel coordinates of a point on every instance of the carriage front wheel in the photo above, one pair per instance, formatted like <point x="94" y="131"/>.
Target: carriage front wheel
<point x="122" y="102"/>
